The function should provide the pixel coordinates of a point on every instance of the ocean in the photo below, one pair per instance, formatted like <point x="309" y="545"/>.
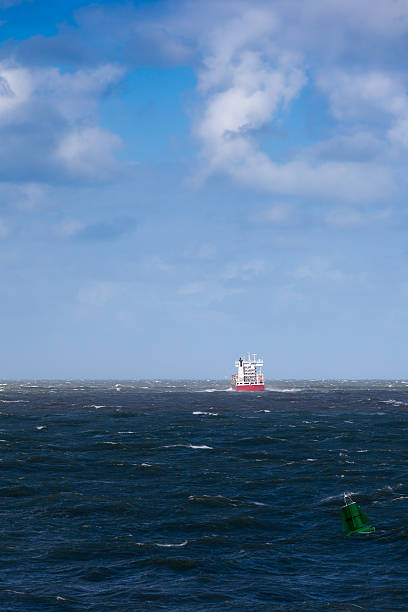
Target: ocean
<point x="182" y="495"/>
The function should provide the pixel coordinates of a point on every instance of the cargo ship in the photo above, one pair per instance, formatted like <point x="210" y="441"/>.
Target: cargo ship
<point x="249" y="376"/>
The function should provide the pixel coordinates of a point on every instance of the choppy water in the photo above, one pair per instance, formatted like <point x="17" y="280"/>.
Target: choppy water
<point x="184" y="496"/>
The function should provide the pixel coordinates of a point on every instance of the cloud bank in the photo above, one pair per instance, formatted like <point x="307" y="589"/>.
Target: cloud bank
<point x="255" y="62"/>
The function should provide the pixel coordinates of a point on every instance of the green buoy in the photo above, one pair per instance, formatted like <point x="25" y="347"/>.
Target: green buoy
<point x="354" y="519"/>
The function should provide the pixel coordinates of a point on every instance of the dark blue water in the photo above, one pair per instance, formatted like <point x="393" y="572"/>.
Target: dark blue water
<point x="164" y="496"/>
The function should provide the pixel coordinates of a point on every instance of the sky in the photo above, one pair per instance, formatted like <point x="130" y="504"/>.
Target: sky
<point x="182" y="182"/>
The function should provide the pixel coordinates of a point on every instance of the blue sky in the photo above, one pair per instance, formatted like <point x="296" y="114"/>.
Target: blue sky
<point x="181" y="182"/>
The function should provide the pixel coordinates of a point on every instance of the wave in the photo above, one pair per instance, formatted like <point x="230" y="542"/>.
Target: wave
<point x="278" y="390"/>
<point x="213" y="390"/>
<point x="172" y="545"/>
<point x="127" y="432"/>
<point x="220" y="500"/>
<point x="200" y="446"/>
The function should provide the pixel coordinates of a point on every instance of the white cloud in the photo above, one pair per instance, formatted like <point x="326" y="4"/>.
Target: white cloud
<point x="16" y="88"/>
<point x="347" y="180"/>
<point x="253" y="59"/>
<point x="244" y="87"/>
<point x="353" y="95"/>
<point x="253" y="69"/>
<point x="72" y="95"/>
<point x="49" y="121"/>
<point x="87" y="151"/>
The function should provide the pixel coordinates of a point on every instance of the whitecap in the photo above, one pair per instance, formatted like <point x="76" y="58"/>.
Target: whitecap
<point x="277" y="390"/>
<point x="188" y="446"/>
<point x="172" y="545"/>
<point x="41" y="427"/>
<point x="200" y="446"/>
<point x="206" y="413"/>
<point x="111" y="442"/>
<point x="393" y="402"/>
<point x="331" y="498"/>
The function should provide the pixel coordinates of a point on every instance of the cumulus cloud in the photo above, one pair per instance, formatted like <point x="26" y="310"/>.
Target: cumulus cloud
<point x="253" y="60"/>
<point x="257" y="62"/>
<point x="88" y="151"/>
<point x="48" y="124"/>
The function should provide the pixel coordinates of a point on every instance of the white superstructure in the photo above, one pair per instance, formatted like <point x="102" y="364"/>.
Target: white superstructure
<point x="249" y="376"/>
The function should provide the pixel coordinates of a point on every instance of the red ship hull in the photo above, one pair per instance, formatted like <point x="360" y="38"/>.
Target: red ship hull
<point x="248" y="387"/>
